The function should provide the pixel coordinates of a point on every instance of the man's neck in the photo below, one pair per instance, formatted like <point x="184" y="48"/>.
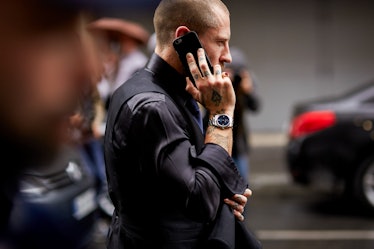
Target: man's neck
<point x="171" y="58"/>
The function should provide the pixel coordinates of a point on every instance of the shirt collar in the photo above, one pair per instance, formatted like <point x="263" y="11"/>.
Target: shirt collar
<point x="166" y="75"/>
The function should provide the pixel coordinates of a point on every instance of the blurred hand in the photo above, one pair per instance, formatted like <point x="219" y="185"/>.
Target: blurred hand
<point x="246" y="84"/>
<point x="79" y="130"/>
<point x="238" y="202"/>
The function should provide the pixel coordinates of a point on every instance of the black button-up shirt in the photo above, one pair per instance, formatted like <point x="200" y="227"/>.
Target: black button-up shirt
<point x="165" y="183"/>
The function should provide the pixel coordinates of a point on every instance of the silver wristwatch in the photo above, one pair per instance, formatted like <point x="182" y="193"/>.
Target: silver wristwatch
<point x="222" y="121"/>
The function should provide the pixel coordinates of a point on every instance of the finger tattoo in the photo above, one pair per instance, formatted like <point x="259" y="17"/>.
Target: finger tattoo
<point x="236" y="206"/>
<point x="240" y="199"/>
<point x="206" y="73"/>
<point x="218" y="72"/>
<point x="192" y="64"/>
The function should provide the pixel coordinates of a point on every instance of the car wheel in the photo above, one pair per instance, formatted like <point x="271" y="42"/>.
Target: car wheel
<point x="364" y="184"/>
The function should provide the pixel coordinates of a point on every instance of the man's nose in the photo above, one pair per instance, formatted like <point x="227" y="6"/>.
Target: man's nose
<point x="226" y="56"/>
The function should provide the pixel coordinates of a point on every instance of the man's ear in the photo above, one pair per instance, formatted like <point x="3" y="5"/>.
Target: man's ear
<point x="181" y="30"/>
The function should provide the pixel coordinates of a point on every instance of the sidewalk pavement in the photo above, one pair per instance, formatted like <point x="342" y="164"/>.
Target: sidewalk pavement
<point x="268" y="139"/>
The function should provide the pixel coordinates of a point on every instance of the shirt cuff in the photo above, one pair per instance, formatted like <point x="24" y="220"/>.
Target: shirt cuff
<point x="222" y="165"/>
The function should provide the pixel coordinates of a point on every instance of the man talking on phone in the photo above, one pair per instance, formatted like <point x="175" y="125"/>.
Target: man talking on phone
<point x="167" y="181"/>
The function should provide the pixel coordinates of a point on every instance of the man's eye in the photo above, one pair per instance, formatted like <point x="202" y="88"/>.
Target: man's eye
<point x="221" y="43"/>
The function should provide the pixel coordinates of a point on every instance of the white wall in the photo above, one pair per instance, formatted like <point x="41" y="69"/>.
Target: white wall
<point x="300" y="49"/>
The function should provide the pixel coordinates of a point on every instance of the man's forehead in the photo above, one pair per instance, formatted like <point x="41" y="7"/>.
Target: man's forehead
<point x="223" y="24"/>
<point x="224" y="34"/>
<point x="220" y="33"/>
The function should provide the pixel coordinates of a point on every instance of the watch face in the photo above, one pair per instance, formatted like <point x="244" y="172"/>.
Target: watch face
<point x="223" y="120"/>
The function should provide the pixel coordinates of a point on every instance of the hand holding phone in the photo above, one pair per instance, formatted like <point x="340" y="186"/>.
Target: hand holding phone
<point x="189" y="43"/>
<point x="218" y="95"/>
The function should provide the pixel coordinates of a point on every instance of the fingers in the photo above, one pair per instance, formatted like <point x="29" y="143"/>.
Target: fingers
<point x="195" y="72"/>
<point x="238" y="215"/>
<point x="247" y="193"/>
<point x="235" y="205"/>
<point x="241" y="199"/>
<point x="201" y="73"/>
<point x="237" y="209"/>
<point x="238" y="202"/>
<point x="218" y="71"/>
<point x="200" y="69"/>
<point x="203" y="64"/>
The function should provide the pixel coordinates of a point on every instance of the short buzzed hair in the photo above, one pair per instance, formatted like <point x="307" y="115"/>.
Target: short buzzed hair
<point x="197" y="15"/>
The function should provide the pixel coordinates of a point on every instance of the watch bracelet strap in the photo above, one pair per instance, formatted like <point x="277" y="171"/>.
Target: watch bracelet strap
<point x="211" y="123"/>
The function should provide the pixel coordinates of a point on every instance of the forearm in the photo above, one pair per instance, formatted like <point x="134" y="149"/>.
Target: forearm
<point x="220" y="137"/>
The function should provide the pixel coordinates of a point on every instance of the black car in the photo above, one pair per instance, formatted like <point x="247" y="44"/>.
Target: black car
<point x="56" y="206"/>
<point x="331" y="141"/>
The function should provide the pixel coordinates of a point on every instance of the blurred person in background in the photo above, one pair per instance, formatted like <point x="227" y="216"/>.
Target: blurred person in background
<point x="151" y="45"/>
<point x="42" y="70"/>
<point x="84" y="128"/>
<point x="119" y="43"/>
<point x="247" y="99"/>
<point x="121" y="47"/>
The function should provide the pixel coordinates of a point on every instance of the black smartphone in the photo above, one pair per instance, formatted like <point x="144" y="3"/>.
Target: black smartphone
<point x="189" y="43"/>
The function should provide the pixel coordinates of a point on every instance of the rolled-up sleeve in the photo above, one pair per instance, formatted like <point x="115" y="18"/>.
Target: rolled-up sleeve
<point x="220" y="162"/>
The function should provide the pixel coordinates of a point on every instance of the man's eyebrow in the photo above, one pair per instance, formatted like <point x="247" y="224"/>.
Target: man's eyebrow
<point x="222" y="38"/>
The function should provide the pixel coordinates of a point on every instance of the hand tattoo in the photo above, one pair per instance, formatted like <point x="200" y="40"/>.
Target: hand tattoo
<point x="216" y="98"/>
